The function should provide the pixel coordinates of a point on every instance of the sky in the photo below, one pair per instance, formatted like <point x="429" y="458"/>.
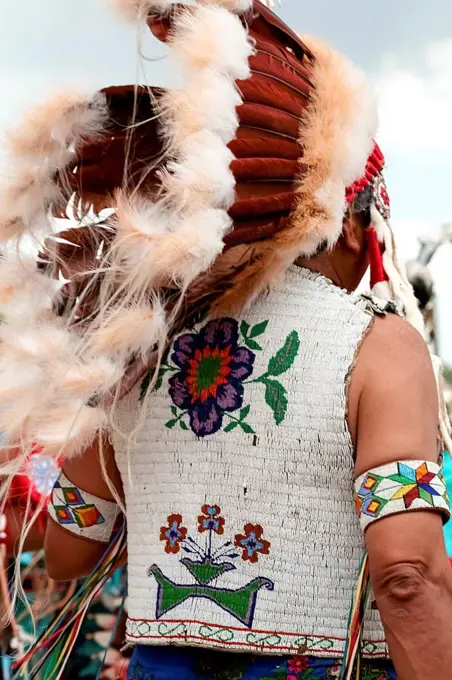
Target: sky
<point x="404" y="46"/>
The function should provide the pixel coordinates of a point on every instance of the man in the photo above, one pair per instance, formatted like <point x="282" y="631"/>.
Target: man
<point x="235" y="456"/>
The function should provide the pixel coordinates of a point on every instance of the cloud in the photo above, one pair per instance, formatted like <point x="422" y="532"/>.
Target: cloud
<point x="416" y="107"/>
<point x="415" y="104"/>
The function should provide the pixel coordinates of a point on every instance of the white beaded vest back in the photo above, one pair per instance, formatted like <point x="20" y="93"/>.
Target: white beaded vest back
<point x="242" y="532"/>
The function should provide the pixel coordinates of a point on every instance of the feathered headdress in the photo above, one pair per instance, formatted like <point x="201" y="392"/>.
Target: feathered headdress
<point x="213" y="190"/>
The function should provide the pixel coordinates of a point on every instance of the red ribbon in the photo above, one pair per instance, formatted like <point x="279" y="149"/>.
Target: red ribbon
<point x="377" y="271"/>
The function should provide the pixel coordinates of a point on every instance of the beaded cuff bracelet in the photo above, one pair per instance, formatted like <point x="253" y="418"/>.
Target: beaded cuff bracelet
<point x="81" y="512"/>
<point x="400" y="487"/>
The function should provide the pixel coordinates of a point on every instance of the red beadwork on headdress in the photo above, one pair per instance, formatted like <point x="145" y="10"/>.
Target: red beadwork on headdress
<point x="374" y="175"/>
<point x="374" y="167"/>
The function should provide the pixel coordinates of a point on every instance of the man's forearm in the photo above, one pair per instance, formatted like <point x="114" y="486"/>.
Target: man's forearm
<point x="417" y="616"/>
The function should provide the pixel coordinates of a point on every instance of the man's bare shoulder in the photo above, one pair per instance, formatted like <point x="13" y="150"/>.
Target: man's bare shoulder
<point x="393" y="394"/>
<point x="392" y="343"/>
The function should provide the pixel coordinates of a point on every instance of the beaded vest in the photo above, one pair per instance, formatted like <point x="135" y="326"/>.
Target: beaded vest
<point x="242" y="532"/>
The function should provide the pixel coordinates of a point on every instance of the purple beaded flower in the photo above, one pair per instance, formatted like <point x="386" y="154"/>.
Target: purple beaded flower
<point x="212" y="370"/>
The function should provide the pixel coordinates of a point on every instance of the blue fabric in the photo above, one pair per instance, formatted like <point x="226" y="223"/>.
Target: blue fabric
<point x="185" y="663"/>
<point x="448" y="476"/>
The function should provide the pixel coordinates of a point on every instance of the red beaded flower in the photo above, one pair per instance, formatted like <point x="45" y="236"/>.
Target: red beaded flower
<point x="173" y="534"/>
<point x="252" y="543"/>
<point x="211" y="520"/>
<point x="298" y="664"/>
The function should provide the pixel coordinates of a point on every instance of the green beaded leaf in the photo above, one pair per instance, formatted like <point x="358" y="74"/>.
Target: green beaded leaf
<point x="244" y="328"/>
<point x="258" y="329"/>
<point x="244" y="412"/>
<point x="275" y="397"/>
<point x="231" y="426"/>
<point x="284" y="357"/>
<point x="252" y="344"/>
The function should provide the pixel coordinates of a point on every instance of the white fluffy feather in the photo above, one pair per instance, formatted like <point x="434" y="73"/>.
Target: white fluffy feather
<point x="192" y="247"/>
<point x="58" y="123"/>
<point x="17" y="377"/>
<point x="155" y="244"/>
<point x="331" y="195"/>
<point x="15" y="273"/>
<point x="180" y="255"/>
<point x="207" y="103"/>
<point x="202" y="175"/>
<point x="337" y="137"/>
<point x="196" y="42"/>
<point x="139" y="219"/>
<point x="68" y="427"/>
<point x="35" y="341"/>
<point x="42" y="145"/>
<point x="358" y="136"/>
<point x="347" y="109"/>
<point x="134" y="330"/>
<point x="25" y="294"/>
<point x="24" y="204"/>
<point x="86" y="378"/>
<point x="33" y="304"/>
<point x="14" y="418"/>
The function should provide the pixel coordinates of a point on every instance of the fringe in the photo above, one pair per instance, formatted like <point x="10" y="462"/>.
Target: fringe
<point x="51" y="651"/>
<point x="359" y="607"/>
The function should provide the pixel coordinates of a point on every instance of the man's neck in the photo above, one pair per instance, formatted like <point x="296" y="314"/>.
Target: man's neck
<point x="322" y="264"/>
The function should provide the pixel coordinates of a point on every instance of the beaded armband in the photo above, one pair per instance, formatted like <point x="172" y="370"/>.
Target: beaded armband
<point x="400" y="487"/>
<point x="81" y="512"/>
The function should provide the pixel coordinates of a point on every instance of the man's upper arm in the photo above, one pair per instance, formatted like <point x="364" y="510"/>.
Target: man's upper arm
<point x="394" y="417"/>
<point x="393" y="397"/>
<point x="69" y="556"/>
<point x="86" y="472"/>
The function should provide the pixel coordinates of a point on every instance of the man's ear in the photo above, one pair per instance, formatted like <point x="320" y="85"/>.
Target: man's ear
<point x="349" y="235"/>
